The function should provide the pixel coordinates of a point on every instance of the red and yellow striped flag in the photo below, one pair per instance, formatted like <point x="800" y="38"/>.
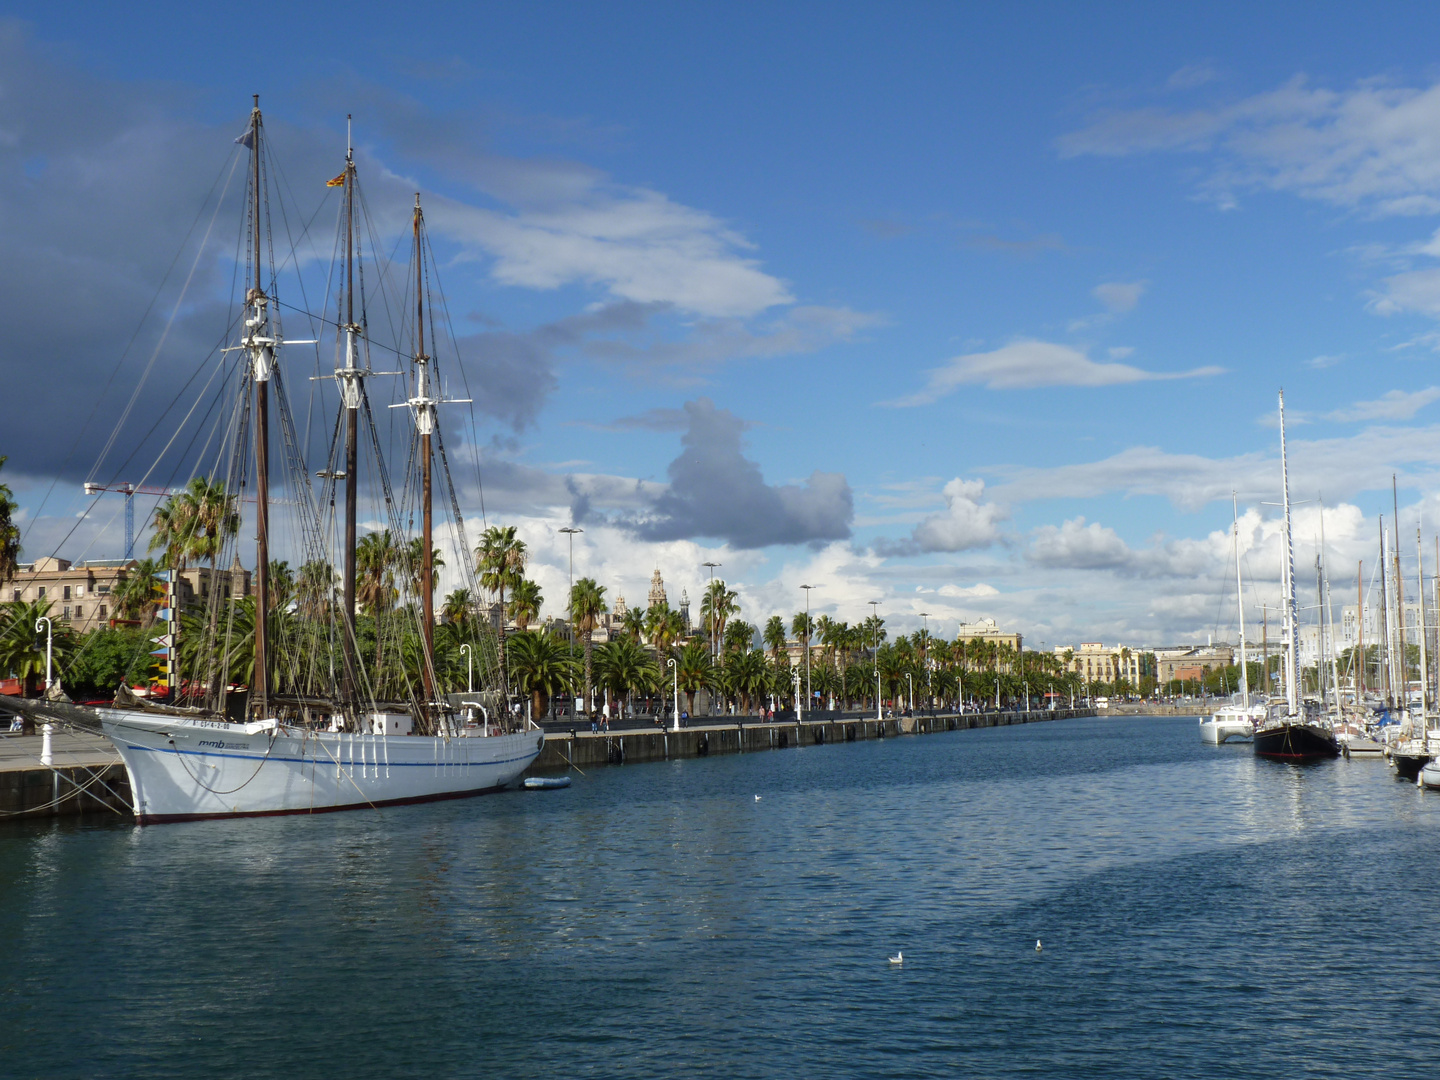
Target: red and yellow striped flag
<point x="339" y="181"/>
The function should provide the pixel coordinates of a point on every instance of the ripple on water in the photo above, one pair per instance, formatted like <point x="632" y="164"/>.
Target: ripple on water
<point x="1203" y="914"/>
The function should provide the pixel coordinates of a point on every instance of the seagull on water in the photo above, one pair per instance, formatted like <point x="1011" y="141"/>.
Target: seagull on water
<point x="1037" y="944"/>
<point x="898" y="959"/>
<point x="757" y="798"/>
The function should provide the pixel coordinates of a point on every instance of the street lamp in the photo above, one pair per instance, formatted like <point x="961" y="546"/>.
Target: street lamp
<point x="46" y="754"/>
<point x="675" y="674"/>
<point x="875" y="623"/>
<point x="469" y="667"/>
<point x="713" y="650"/>
<point x="570" y="607"/>
<point x="807" y="589"/>
<point x="911" y="681"/>
<point x="925" y="656"/>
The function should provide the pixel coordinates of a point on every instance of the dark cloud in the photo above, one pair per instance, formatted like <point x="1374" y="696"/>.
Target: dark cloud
<point x="715" y="491"/>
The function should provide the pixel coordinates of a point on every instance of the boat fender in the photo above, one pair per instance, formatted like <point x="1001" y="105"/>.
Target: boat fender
<point x="703" y="746"/>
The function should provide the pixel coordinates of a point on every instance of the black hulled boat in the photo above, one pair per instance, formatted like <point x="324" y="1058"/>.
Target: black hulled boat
<point x="1294" y="739"/>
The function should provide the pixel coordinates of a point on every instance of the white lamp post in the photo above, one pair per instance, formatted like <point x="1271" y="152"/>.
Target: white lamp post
<point x="911" y="681"/>
<point x="47" y="730"/>
<point x="469" y="667"/>
<point x="675" y="675"/>
<point x="807" y="589"/>
<point x="799" y="708"/>
<point x="875" y="620"/>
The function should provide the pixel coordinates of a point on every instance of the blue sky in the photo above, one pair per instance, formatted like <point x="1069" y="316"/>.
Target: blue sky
<point x="974" y="310"/>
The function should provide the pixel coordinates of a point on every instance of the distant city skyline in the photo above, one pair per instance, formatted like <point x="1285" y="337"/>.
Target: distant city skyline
<point x="971" y="311"/>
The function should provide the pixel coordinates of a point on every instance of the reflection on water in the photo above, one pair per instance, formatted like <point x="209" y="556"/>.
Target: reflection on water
<point x="1203" y="914"/>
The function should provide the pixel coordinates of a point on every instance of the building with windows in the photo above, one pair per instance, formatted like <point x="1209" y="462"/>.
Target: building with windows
<point x="1192" y="661"/>
<point x="1094" y="661"/>
<point x="81" y="595"/>
<point x="986" y="630"/>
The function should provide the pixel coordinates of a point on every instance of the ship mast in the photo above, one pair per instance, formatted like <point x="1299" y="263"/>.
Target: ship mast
<point x="423" y="407"/>
<point x="1292" y="697"/>
<point x="260" y="344"/>
<point x="1240" y="602"/>
<point x="349" y="378"/>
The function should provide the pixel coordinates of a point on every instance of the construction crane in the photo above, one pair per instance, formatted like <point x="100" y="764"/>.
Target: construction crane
<point x="129" y="491"/>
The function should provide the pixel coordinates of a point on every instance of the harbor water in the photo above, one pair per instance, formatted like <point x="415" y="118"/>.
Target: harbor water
<point x="1202" y="914"/>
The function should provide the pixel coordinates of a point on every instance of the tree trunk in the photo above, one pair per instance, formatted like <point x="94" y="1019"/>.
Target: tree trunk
<point x="589" y="700"/>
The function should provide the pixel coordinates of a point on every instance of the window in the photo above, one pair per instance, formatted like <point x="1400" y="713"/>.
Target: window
<point x="102" y="611"/>
<point x="67" y="592"/>
<point x="17" y="595"/>
<point x="79" y="590"/>
<point x="42" y="592"/>
<point x="77" y="611"/>
<point x="65" y="612"/>
<point x="103" y="590"/>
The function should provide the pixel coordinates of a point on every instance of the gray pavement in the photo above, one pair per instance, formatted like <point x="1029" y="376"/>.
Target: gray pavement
<point x="68" y="748"/>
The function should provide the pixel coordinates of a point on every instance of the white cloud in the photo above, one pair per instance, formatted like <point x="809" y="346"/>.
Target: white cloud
<point x="1414" y="290"/>
<point x="1076" y="545"/>
<point x="1120" y="296"/>
<point x="971" y="592"/>
<point x="1320" y="363"/>
<point x="1028" y="365"/>
<point x="1120" y="352"/>
<point x="634" y="243"/>
<point x="966" y="522"/>
<point x="1394" y="405"/>
<point x="1373" y="145"/>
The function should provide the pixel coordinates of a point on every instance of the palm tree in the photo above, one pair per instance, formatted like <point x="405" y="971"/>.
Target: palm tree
<point x="9" y="533"/>
<point x="803" y="627"/>
<point x="622" y="667"/>
<point x="716" y="607"/>
<point x="376" y="556"/>
<point x="414" y="564"/>
<point x="694" y="671"/>
<point x="542" y="667"/>
<point x="739" y="637"/>
<point x="525" y="603"/>
<point x="457" y="608"/>
<point x="633" y="624"/>
<point x="140" y="595"/>
<point x="662" y="627"/>
<point x="500" y="558"/>
<point x="315" y="588"/>
<point x="775" y="636"/>
<point x="282" y="585"/>
<point x="212" y="519"/>
<point x="22" y="647"/>
<point x="747" y="673"/>
<point x="587" y="604"/>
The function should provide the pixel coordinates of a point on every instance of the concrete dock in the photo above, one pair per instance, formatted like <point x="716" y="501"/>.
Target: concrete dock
<point x="85" y="776"/>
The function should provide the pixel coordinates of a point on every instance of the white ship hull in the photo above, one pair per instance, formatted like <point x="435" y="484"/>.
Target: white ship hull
<point x="1230" y="723"/>
<point x="183" y="770"/>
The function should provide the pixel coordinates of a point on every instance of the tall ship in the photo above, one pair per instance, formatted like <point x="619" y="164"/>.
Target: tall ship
<point x="287" y="702"/>
<point x="1289" y="733"/>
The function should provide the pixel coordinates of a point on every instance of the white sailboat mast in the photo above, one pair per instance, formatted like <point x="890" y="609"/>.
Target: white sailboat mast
<point x="1292" y="695"/>
<point x="1240" y="603"/>
<point x="1327" y="615"/>
<point x="1420" y="595"/>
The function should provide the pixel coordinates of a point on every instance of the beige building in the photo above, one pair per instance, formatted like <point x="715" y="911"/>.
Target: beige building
<point x="987" y="632"/>
<point x="1191" y="661"/>
<point x="82" y="595"/>
<point x="1094" y="661"/>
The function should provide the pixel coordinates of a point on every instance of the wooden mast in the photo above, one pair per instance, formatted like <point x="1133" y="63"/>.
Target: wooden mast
<point x="425" y="423"/>
<point x="350" y="397"/>
<point x="261" y="357"/>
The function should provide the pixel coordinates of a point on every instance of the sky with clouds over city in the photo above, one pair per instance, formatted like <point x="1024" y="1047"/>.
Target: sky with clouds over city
<point x="974" y="311"/>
